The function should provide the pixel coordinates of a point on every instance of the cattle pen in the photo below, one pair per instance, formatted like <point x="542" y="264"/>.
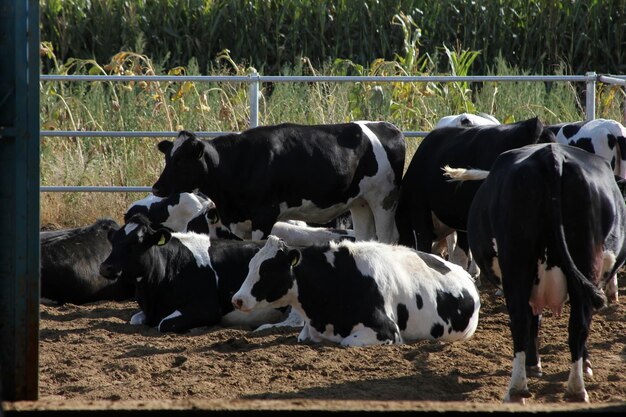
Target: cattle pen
<point x="19" y="136"/>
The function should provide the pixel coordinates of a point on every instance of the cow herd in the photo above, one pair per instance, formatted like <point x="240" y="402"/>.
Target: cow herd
<point x="238" y="231"/>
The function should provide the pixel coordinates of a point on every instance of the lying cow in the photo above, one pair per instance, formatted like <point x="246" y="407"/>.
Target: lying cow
<point x="547" y="224"/>
<point x="70" y="261"/>
<point x="183" y="280"/>
<point x="603" y="137"/>
<point x="430" y="207"/>
<point x="363" y="293"/>
<point x="288" y="171"/>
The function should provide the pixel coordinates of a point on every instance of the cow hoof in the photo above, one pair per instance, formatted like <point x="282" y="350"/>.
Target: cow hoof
<point x="577" y="397"/>
<point x="534" y="371"/>
<point x="587" y="368"/>
<point x="517" y="396"/>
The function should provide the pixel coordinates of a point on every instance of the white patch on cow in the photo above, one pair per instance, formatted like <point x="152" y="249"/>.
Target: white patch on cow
<point x="309" y="211"/>
<point x="519" y="381"/>
<point x="138" y="318"/>
<point x="128" y="229"/>
<point x="139" y="278"/>
<point x="266" y="316"/>
<point x="178" y="143"/>
<point x="147" y="201"/>
<point x="362" y="336"/>
<point x="198" y="244"/>
<point x="610" y="285"/>
<point x="294" y="319"/>
<point x="550" y="292"/>
<point x="175" y="314"/>
<point x="304" y="235"/>
<point x="242" y="229"/>
<point x="243" y="299"/>
<point x="180" y="215"/>
<point x="330" y="257"/>
<point x="576" y="384"/>
<point x="376" y="189"/>
<point x="257" y="235"/>
<point x="467" y="120"/>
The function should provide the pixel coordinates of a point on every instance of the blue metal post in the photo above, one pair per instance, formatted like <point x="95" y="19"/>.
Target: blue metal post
<point x="19" y="199"/>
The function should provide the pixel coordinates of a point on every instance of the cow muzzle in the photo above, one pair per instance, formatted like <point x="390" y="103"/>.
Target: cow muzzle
<point x="240" y="304"/>
<point x="109" y="272"/>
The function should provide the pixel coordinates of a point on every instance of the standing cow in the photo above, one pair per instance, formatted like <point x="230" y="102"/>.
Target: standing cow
<point x="547" y="224"/>
<point x="430" y="207"/>
<point x="363" y="293"/>
<point x="289" y="171"/>
<point x="70" y="261"/>
<point x="603" y="137"/>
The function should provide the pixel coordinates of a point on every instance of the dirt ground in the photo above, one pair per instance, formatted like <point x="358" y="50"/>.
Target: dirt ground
<point x="91" y="353"/>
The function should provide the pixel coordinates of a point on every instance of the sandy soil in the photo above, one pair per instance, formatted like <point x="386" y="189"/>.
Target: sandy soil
<point x="90" y="354"/>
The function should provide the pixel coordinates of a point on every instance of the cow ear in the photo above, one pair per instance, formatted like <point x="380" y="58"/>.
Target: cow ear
<point x="198" y="149"/>
<point x="294" y="256"/>
<point x="161" y="237"/>
<point x="213" y="216"/>
<point x="165" y="146"/>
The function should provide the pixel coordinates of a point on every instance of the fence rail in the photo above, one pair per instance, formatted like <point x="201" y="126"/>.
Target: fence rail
<point x="254" y="80"/>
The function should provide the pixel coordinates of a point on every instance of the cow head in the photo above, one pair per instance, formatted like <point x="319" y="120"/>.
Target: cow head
<point x="185" y="165"/>
<point x="270" y="279"/>
<point x="130" y="244"/>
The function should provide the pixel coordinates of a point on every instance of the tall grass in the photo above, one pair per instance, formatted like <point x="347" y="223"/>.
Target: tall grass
<point x="170" y="106"/>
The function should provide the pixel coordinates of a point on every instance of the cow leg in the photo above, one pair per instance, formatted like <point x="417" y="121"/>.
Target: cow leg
<point x="462" y="256"/>
<point x="610" y="289"/>
<point x="517" y="294"/>
<point x="363" y="221"/>
<point x="293" y="320"/>
<point x="184" y="319"/>
<point x="385" y="224"/>
<point x="578" y="329"/>
<point x="533" y="361"/>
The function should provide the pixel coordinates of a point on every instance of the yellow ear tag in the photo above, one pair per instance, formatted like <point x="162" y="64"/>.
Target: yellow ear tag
<point x="161" y="241"/>
<point x="295" y="261"/>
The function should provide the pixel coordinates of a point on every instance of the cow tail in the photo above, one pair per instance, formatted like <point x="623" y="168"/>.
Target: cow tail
<point x="594" y="294"/>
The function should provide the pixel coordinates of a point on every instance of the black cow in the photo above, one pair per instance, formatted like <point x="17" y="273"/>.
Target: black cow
<point x="70" y="261"/>
<point x="548" y="223"/>
<point x="288" y="171"/>
<point x="430" y="207"/>
<point x="183" y="280"/>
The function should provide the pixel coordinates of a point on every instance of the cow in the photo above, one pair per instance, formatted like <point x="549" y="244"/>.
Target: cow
<point x="207" y="221"/>
<point x="467" y="120"/>
<point x="430" y="207"/>
<point x="174" y="211"/>
<point x="603" y="137"/>
<point x="363" y="293"/>
<point x="70" y="260"/>
<point x="183" y="280"/>
<point x="289" y="171"/>
<point x="547" y="224"/>
<point x="448" y="246"/>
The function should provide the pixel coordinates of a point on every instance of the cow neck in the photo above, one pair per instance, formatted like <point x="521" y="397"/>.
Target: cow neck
<point x="210" y="181"/>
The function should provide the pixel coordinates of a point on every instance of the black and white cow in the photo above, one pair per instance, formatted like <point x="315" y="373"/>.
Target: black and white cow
<point x="430" y="207"/>
<point x="603" y="137"/>
<point x="289" y="171"/>
<point x="174" y="211"/>
<point x="70" y="261"/>
<point x="183" y="280"/>
<point x="548" y="224"/>
<point x="363" y="293"/>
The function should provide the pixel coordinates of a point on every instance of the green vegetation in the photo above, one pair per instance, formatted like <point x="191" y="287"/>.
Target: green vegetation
<point x="533" y="35"/>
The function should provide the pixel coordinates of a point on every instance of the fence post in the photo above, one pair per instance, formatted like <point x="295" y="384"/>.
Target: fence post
<point x="254" y="99"/>
<point x="590" y="97"/>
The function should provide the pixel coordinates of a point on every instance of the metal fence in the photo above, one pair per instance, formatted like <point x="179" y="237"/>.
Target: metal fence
<point x="254" y="81"/>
